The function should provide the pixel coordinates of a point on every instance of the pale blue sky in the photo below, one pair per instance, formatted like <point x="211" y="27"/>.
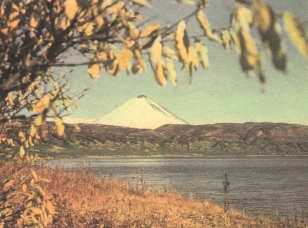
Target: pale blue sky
<point x="221" y="93"/>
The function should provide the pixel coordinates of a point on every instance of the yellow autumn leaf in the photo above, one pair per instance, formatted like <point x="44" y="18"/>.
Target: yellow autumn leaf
<point x="40" y="190"/>
<point x="206" y="27"/>
<point x="71" y="9"/>
<point x="160" y="76"/>
<point x="88" y="28"/>
<point x="243" y="17"/>
<point x="106" y="3"/>
<point x="2" y="10"/>
<point x="60" y="126"/>
<point x="124" y="17"/>
<point x="133" y="31"/>
<point x="99" y="22"/>
<point x="30" y="141"/>
<point x="84" y="48"/>
<point x="26" y="143"/>
<point x="118" y="5"/>
<point x="42" y="104"/>
<point x="235" y="40"/>
<point x="124" y="58"/>
<point x="182" y="43"/>
<point x="95" y="45"/>
<point x="141" y="3"/>
<point x="296" y="31"/>
<point x="34" y="175"/>
<point x="10" y="142"/>
<point x="22" y="151"/>
<point x="5" y="31"/>
<point x="137" y="54"/>
<point x="113" y="67"/>
<point x="14" y="22"/>
<point x="168" y="52"/>
<point x="265" y="19"/>
<point x="103" y="56"/>
<point x="114" y="9"/>
<point x="24" y="187"/>
<point x="22" y="136"/>
<point x="8" y="184"/>
<point x="171" y="71"/>
<point x="32" y="87"/>
<point x="249" y="53"/>
<point x="187" y="2"/>
<point x="32" y="182"/>
<point x="202" y="53"/>
<point x="262" y="15"/>
<point x="156" y="50"/>
<point x="149" y="30"/>
<point x="36" y="211"/>
<point x="10" y="98"/>
<point x="128" y="42"/>
<point x="94" y="68"/>
<point x="226" y="39"/>
<point x="32" y="131"/>
<point x="45" y="180"/>
<point x="38" y="120"/>
<point x="138" y="65"/>
<point x="34" y="20"/>
<point x="260" y="71"/>
<point x="193" y="57"/>
<point x="14" y="17"/>
<point x="21" y="97"/>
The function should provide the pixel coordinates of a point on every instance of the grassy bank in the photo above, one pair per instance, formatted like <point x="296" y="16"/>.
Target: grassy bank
<point x="81" y="199"/>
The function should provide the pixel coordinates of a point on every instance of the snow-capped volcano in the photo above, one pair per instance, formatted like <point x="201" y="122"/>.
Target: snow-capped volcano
<point x="139" y="112"/>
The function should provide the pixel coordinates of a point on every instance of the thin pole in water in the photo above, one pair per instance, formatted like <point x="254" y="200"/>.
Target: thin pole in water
<point x="226" y="184"/>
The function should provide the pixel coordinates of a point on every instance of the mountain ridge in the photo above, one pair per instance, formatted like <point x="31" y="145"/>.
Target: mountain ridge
<point x="222" y="139"/>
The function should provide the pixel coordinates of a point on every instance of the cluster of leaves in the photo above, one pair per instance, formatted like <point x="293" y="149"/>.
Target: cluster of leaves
<point x="34" y="209"/>
<point x="47" y="96"/>
<point x="167" y="44"/>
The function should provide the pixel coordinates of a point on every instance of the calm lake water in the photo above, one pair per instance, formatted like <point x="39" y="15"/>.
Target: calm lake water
<point x="258" y="185"/>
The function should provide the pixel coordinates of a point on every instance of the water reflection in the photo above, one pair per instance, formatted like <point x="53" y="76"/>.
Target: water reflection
<point x="259" y="185"/>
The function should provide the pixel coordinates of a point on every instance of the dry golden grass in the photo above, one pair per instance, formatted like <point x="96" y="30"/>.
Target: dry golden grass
<point x="84" y="200"/>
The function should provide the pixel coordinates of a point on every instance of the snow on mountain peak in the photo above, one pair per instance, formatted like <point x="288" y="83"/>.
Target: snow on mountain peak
<point x="139" y="112"/>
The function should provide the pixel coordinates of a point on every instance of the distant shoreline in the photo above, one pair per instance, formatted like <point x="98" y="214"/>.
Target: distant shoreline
<point x="159" y="156"/>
